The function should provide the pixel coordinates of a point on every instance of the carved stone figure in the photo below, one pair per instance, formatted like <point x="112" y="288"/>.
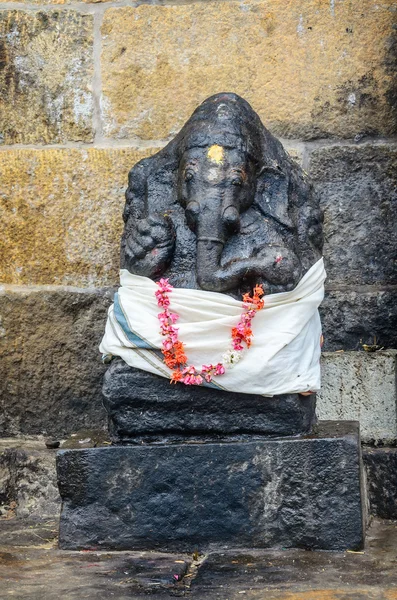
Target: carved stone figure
<point x="222" y="207"/>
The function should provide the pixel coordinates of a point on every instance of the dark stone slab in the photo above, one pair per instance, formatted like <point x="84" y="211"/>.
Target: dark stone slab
<point x="357" y="187"/>
<point x="352" y="318"/>
<point x="145" y="406"/>
<point x="292" y="492"/>
<point x="381" y="467"/>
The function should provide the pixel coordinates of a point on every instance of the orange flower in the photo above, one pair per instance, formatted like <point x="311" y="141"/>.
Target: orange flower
<point x="235" y="333"/>
<point x="180" y="355"/>
<point x="170" y="362"/>
<point x="176" y="376"/>
<point x="247" y="298"/>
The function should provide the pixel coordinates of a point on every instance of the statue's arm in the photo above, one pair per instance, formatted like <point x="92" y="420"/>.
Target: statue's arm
<point x="148" y="240"/>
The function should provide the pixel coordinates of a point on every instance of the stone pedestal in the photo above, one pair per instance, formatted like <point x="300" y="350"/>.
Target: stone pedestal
<point x="145" y="407"/>
<point x="302" y="492"/>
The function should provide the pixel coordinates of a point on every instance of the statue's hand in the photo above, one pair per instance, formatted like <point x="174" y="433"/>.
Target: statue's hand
<point x="148" y="245"/>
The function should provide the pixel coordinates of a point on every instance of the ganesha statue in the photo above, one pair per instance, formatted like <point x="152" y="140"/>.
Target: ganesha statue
<point x="221" y="279"/>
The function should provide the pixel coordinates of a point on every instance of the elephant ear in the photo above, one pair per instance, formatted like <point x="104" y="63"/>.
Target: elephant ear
<point x="272" y="194"/>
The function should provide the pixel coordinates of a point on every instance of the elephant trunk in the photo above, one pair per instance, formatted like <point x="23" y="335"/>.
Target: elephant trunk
<point x="210" y="232"/>
<point x="214" y="223"/>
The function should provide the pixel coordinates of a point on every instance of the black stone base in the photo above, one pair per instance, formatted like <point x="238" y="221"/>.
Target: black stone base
<point x="143" y="406"/>
<point x="292" y="492"/>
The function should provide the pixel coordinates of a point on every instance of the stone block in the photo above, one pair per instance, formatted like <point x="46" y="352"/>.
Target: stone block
<point x="141" y="405"/>
<point x="285" y="492"/>
<point x="46" y="77"/>
<point x="381" y="467"/>
<point x="309" y="69"/>
<point x="361" y="386"/>
<point x="50" y="367"/>
<point x="64" y="205"/>
<point x="352" y="318"/>
<point x="357" y="189"/>
<point x="28" y="485"/>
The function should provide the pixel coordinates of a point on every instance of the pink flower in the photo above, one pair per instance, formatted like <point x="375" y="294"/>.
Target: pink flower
<point x="219" y="369"/>
<point x="237" y="344"/>
<point x="167" y="344"/>
<point x="163" y="301"/>
<point x="190" y="370"/>
<point x="164" y="285"/>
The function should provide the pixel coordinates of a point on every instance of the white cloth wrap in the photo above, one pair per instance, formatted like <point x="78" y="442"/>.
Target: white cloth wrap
<point x="285" y="352"/>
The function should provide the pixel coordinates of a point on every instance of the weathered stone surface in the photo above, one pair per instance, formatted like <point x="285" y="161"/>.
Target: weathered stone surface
<point x="381" y="468"/>
<point x="38" y="570"/>
<point x="28" y="485"/>
<point x="61" y="214"/>
<point x="351" y="318"/>
<point x="361" y="386"/>
<point x="51" y="373"/>
<point x="296" y="575"/>
<point x="287" y="492"/>
<point x="45" y="77"/>
<point x="358" y="192"/>
<point x="309" y="69"/>
<point x="32" y="567"/>
<point x="295" y="149"/>
<point x="144" y="406"/>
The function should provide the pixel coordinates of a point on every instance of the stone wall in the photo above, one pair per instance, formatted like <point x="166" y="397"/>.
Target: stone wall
<point x="88" y="88"/>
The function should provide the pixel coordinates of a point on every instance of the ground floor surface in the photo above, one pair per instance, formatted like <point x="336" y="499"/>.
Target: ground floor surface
<point x="33" y="568"/>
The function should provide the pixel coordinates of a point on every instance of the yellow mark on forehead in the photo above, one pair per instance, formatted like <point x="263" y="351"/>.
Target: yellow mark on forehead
<point x="215" y="154"/>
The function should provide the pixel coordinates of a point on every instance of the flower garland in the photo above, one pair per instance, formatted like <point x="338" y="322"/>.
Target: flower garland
<point x="174" y="351"/>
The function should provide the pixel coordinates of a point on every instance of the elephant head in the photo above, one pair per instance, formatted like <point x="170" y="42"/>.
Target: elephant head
<point x="224" y="193"/>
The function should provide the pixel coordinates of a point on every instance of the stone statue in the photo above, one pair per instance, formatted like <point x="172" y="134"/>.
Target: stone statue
<point x="221" y="211"/>
<point x="222" y="207"/>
